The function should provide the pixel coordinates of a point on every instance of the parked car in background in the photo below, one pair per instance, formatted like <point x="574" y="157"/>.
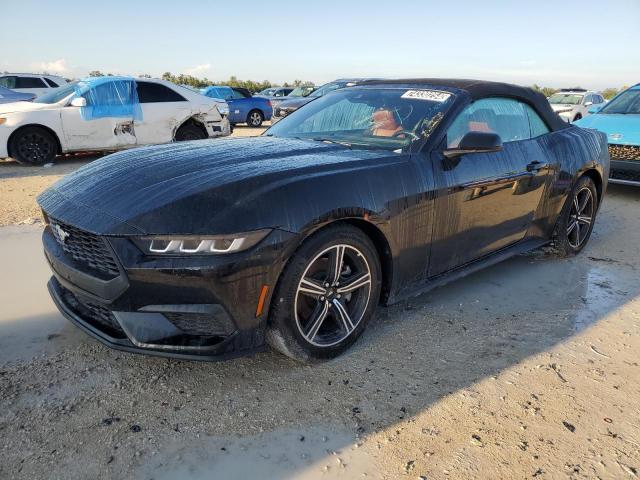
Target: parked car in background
<point x="8" y="96"/>
<point x="31" y="83"/>
<point x="276" y="92"/>
<point x="243" y="107"/>
<point x="367" y="195"/>
<point x="107" y="113"/>
<point x="291" y="104"/>
<point x="619" y="119"/>
<point x="297" y="93"/>
<point x="574" y="104"/>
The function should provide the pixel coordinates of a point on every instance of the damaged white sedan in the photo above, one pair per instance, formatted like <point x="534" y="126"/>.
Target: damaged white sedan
<point x="106" y="114"/>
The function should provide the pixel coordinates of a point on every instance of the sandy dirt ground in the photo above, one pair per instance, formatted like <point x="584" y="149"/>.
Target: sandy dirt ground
<point x="20" y="184"/>
<point x="528" y="369"/>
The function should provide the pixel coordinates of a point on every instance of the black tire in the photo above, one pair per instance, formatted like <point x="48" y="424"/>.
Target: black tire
<point x="33" y="146"/>
<point x="572" y="233"/>
<point x="255" y="118"/>
<point x="577" y="117"/>
<point x="190" y="131"/>
<point x="335" y="333"/>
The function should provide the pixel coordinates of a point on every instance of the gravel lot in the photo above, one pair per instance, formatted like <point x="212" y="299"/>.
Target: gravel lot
<point x="527" y="369"/>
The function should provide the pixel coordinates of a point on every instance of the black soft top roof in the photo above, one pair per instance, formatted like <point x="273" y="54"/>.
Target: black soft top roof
<point x="481" y="89"/>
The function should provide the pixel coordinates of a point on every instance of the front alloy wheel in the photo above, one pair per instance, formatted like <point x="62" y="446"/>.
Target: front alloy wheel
<point x="326" y="295"/>
<point x="333" y="295"/>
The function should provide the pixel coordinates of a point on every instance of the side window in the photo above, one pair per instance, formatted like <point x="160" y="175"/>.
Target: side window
<point x="224" y="93"/>
<point x="51" y="83"/>
<point x="599" y="99"/>
<point x="29" y="82"/>
<point x="155" y="93"/>
<point x="536" y="124"/>
<point x="8" y="82"/>
<point x="587" y="99"/>
<point x="238" y="94"/>
<point x="506" y="117"/>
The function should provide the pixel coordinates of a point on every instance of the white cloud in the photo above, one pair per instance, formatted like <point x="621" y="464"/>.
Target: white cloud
<point x="198" y="69"/>
<point x="57" y="66"/>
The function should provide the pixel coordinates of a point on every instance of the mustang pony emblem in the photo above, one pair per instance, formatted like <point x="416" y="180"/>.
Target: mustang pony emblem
<point x="62" y="234"/>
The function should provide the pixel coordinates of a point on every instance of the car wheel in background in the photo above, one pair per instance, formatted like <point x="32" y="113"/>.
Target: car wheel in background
<point x="33" y="146"/>
<point x="190" y="131"/>
<point x="578" y="216"/>
<point x="255" y="118"/>
<point x="326" y="295"/>
<point x="577" y="117"/>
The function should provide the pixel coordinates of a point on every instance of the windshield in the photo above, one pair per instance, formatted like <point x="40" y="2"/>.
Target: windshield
<point x="57" y="94"/>
<point x="267" y="91"/>
<point x="300" y="92"/>
<point x="565" y="98"/>
<point x="324" y="89"/>
<point x="628" y="102"/>
<point x="385" y="118"/>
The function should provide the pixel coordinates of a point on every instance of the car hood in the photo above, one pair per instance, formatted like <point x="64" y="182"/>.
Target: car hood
<point x="622" y="129"/>
<point x="194" y="187"/>
<point x="15" y="107"/>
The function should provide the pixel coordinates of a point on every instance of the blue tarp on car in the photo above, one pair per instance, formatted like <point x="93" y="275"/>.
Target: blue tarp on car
<point x="109" y="97"/>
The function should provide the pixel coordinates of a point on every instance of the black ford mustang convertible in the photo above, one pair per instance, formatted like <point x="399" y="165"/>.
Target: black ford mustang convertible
<point x="364" y="196"/>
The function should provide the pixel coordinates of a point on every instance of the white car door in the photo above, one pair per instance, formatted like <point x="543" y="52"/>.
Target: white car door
<point x="163" y="111"/>
<point x="107" y="133"/>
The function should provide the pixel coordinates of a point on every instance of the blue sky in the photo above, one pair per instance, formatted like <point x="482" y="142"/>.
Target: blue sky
<point x="594" y="44"/>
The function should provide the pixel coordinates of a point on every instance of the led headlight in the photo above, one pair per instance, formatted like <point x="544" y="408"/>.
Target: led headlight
<point x="199" y="245"/>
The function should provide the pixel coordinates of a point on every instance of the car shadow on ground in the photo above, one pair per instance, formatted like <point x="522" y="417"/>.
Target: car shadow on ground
<point x="223" y="417"/>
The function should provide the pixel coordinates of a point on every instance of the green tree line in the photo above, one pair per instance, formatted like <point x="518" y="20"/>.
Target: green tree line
<point x="607" y="93"/>
<point x="254" y="86"/>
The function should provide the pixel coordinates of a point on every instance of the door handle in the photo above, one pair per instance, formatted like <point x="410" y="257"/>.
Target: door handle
<point x="536" y="166"/>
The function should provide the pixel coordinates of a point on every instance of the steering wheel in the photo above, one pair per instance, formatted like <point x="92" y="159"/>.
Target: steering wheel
<point x="405" y="133"/>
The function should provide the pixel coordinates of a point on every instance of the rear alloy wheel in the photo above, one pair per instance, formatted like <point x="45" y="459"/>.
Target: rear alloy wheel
<point x="576" y="223"/>
<point x="326" y="296"/>
<point x="255" y="118"/>
<point x="189" y="131"/>
<point x="33" y="146"/>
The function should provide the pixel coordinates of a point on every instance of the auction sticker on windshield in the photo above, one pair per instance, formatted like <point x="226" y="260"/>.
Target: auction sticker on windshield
<point x="430" y="95"/>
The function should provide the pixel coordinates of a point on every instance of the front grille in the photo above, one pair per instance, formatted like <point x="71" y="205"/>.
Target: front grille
<point x="86" y="248"/>
<point x="625" y="176"/>
<point x="94" y="314"/>
<point x="624" y="152"/>
<point x="204" y="324"/>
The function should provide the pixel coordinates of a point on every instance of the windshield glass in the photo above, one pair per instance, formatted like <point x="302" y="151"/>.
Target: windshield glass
<point x="565" y="98"/>
<point x="627" y="102"/>
<point x="385" y="118"/>
<point x="267" y="91"/>
<point x="57" y="94"/>
<point x="324" y="89"/>
<point x="300" y="92"/>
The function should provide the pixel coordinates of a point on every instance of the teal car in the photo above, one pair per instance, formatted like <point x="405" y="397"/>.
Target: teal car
<point x="619" y="119"/>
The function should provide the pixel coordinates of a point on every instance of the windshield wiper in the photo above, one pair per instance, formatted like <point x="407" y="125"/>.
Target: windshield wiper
<point x="326" y="140"/>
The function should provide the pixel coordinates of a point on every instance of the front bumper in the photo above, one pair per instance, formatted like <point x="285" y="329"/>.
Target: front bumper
<point x="197" y="308"/>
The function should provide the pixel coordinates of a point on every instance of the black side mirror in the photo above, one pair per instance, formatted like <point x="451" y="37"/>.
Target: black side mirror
<point x="476" y="142"/>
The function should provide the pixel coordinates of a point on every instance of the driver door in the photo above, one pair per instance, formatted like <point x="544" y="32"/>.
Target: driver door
<point x="106" y="133"/>
<point x="488" y="200"/>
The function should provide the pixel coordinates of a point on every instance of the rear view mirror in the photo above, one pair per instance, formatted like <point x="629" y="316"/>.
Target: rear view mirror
<point x="79" y="102"/>
<point x="476" y="142"/>
<point x="588" y="104"/>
